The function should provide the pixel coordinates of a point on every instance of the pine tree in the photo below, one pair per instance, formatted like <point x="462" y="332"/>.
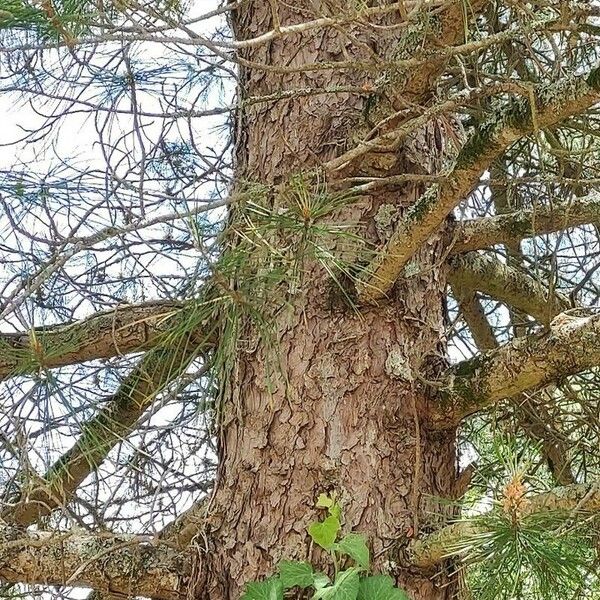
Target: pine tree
<point x="299" y="299"/>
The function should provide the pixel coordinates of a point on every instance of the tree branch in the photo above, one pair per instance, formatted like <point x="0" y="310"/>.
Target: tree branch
<point x="122" y="330"/>
<point x="113" y="423"/>
<point x="552" y="105"/>
<point x="507" y="284"/>
<point x="476" y="234"/>
<point x="570" y="346"/>
<point x="128" y="565"/>
<point x="472" y="312"/>
<point x="184" y="528"/>
<point x="451" y="27"/>
<point x="530" y="411"/>
<point x="452" y="540"/>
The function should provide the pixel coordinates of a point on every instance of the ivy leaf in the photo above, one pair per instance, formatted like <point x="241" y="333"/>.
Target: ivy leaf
<point x="328" y="502"/>
<point x="295" y="573"/>
<point x="325" y="501"/>
<point x="355" y="547"/>
<point x="269" y="589"/>
<point x="320" y="580"/>
<point x="336" y="511"/>
<point x="380" y="587"/>
<point x="325" y="532"/>
<point x="345" y="587"/>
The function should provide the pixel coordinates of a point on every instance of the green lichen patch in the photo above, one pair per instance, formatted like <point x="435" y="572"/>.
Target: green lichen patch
<point x="423" y="205"/>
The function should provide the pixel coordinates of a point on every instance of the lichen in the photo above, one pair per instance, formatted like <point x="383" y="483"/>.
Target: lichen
<point x="462" y="391"/>
<point x="422" y="206"/>
<point x="385" y="218"/>
<point x="397" y="366"/>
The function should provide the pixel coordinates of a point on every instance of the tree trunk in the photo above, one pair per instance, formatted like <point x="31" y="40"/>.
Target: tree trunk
<point x="346" y="414"/>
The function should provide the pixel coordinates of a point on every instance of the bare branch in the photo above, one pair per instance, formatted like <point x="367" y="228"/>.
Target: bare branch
<point x="100" y="434"/>
<point x="553" y="104"/>
<point x="476" y="234"/>
<point x="474" y="317"/>
<point x="450" y="540"/>
<point x="127" y="565"/>
<point x="530" y="411"/>
<point x="189" y="524"/>
<point x="570" y="346"/>
<point x="507" y="284"/>
<point x="122" y="330"/>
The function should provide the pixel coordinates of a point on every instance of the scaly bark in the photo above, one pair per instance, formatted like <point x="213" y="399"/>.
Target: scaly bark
<point x="342" y="413"/>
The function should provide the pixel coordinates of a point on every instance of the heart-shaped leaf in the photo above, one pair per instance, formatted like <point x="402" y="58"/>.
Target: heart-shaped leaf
<point x="380" y="587"/>
<point x="294" y="573"/>
<point x="325" y="532"/>
<point x="355" y="547"/>
<point x="269" y="589"/>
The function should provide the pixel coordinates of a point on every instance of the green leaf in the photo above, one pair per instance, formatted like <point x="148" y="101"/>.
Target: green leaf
<point x="269" y="589"/>
<point x="320" y="580"/>
<point x="325" y="501"/>
<point x="295" y="573"/>
<point x="325" y="532"/>
<point x="380" y="587"/>
<point x="336" y="511"/>
<point x="345" y="587"/>
<point x="328" y="502"/>
<point x="355" y="547"/>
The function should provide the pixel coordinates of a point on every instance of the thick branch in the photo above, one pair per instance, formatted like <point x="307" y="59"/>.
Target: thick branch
<point x="531" y="412"/>
<point x="451" y="27"/>
<point x="127" y="565"/>
<point x="111" y="425"/>
<point x="182" y="531"/>
<point x="122" y="330"/>
<point x="553" y="104"/>
<point x="570" y="346"/>
<point x="453" y="539"/>
<point x="507" y="284"/>
<point x="510" y="228"/>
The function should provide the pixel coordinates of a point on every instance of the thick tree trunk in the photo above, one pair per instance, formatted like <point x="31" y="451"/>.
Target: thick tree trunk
<point x="346" y="414"/>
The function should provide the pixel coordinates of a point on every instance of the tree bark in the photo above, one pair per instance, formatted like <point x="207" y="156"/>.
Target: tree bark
<point x="342" y="413"/>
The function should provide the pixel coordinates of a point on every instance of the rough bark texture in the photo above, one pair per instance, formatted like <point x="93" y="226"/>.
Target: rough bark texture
<point x="344" y="413"/>
<point x="571" y="345"/>
<point x="126" y="565"/>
